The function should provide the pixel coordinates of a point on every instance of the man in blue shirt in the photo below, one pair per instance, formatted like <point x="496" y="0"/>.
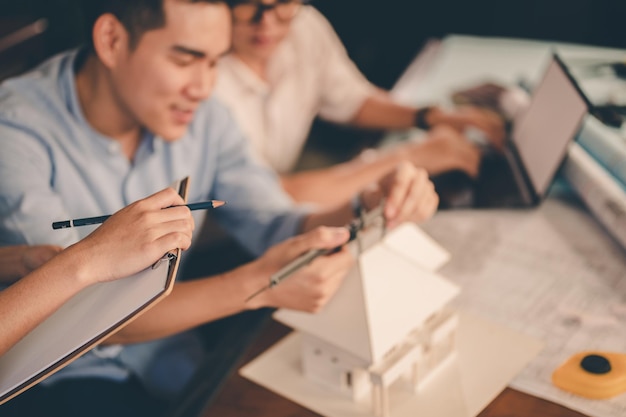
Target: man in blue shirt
<point x="91" y="131"/>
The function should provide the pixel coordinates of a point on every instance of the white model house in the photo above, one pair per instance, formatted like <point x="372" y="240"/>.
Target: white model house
<point x="390" y="318"/>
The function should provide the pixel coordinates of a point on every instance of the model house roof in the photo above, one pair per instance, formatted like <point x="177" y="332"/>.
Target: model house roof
<point x="391" y="290"/>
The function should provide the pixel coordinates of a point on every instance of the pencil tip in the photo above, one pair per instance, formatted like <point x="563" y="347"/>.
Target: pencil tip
<point x="218" y="203"/>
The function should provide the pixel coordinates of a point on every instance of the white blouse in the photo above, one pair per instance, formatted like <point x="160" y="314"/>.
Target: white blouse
<point x="310" y="74"/>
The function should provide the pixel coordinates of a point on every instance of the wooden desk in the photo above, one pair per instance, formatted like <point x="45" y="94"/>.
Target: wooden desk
<point x="240" y="397"/>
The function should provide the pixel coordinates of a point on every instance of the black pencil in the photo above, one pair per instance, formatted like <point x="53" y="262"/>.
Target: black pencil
<point x="204" y="205"/>
<point x="354" y="227"/>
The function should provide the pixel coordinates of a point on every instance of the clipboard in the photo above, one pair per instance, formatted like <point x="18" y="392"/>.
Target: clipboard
<point x="86" y="320"/>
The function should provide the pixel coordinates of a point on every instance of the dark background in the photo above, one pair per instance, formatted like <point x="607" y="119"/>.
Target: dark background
<point x="381" y="36"/>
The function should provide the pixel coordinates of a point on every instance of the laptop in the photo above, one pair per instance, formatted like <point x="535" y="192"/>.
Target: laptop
<point x="534" y="150"/>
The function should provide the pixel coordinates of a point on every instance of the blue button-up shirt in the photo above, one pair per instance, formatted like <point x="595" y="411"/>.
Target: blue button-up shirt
<point x="55" y="166"/>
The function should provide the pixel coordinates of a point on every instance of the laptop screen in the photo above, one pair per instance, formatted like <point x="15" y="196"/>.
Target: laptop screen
<point x="541" y="136"/>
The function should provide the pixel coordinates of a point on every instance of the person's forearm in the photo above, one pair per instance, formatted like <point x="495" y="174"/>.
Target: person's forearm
<point x="332" y="187"/>
<point x="193" y="303"/>
<point x="31" y="300"/>
<point x="339" y="216"/>
<point x="379" y="111"/>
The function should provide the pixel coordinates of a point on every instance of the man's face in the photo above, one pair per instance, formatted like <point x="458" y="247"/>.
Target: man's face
<point x="172" y="69"/>
<point x="258" y="38"/>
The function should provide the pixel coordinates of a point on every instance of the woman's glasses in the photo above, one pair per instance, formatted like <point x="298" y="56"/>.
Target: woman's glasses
<point x="252" y="11"/>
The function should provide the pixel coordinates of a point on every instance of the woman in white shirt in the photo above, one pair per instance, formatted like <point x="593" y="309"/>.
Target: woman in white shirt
<point x="288" y="66"/>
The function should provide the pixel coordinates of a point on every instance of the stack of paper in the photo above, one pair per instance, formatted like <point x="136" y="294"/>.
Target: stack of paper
<point x="607" y="147"/>
<point x="601" y="191"/>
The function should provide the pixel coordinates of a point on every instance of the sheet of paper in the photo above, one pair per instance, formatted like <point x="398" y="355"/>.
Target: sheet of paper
<point x="551" y="273"/>
<point x="488" y="356"/>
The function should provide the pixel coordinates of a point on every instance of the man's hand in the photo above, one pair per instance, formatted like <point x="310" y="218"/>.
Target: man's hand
<point x="310" y="288"/>
<point x="461" y="118"/>
<point x="409" y="194"/>
<point x="136" y="236"/>
<point x="445" y="149"/>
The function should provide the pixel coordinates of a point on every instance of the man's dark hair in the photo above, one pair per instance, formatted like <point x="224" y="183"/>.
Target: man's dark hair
<point x="137" y="16"/>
